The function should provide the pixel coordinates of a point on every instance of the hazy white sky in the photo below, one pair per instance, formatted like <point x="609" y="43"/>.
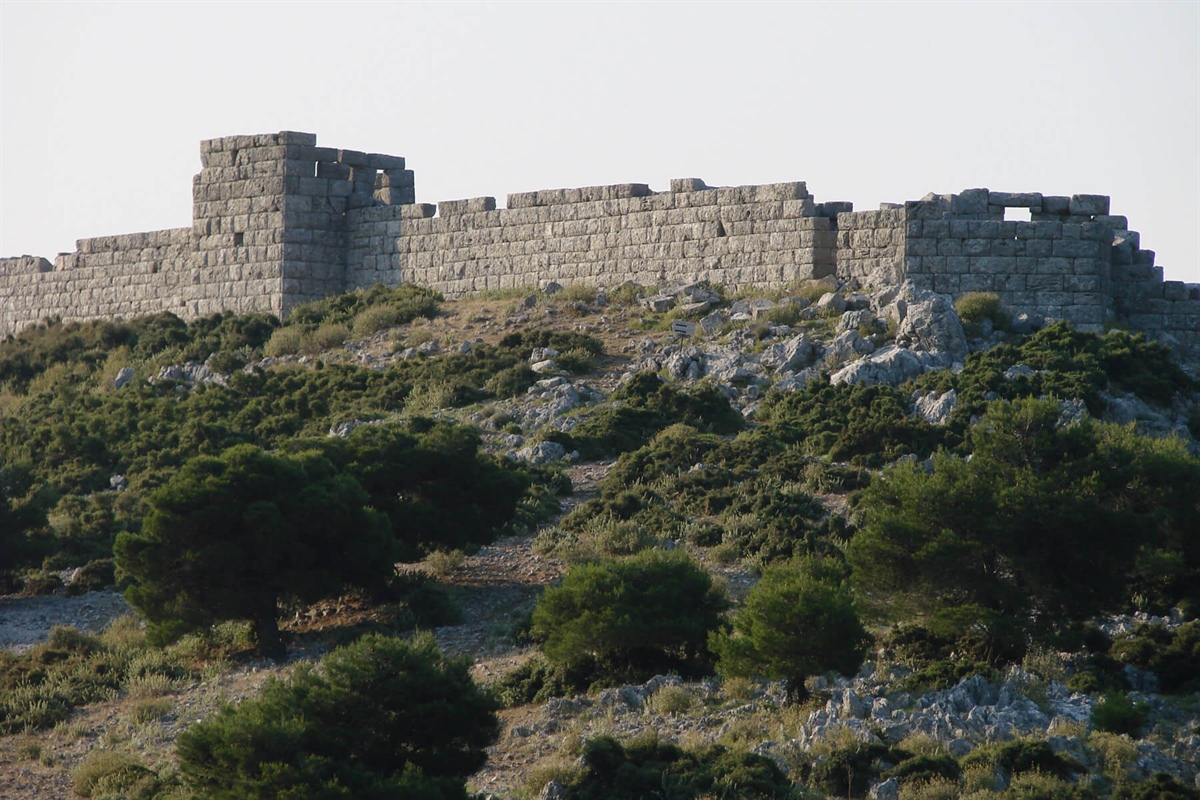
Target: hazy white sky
<point x="103" y="104"/>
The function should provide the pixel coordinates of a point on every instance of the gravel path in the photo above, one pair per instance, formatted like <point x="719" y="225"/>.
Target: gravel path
<point x="26" y="621"/>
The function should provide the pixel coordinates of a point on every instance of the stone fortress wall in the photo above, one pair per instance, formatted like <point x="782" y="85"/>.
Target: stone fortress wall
<point x="278" y="221"/>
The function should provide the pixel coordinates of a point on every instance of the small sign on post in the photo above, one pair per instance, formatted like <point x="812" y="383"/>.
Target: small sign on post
<point x="681" y="328"/>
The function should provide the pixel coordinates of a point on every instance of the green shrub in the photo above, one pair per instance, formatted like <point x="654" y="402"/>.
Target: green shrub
<point x="799" y="620"/>
<point x="635" y="618"/>
<point x="383" y="718"/>
<point x="924" y="768"/>
<point x="93" y="576"/>
<point x="376" y="318"/>
<point x="104" y="772"/>
<point x="1173" y="656"/>
<point x="538" y="679"/>
<point x="848" y="770"/>
<point x="975" y="307"/>
<point x="41" y="583"/>
<point x="652" y="768"/>
<point x="642" y="408"/>
<point x="408" y="302"/>
<point x="1158" y="786"/>
<point x="326" y="337"/>
<point x="1044" y="521"/>
<point x="1117" y="713"/>
<point x="1024" y="755"/>
<point x="285" y="342"/>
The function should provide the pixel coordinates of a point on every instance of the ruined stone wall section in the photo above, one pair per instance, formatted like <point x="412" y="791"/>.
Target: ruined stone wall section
<point x="749" y="236"/>
<point x="1073" y="260"/>
<point x="110" y="276"/>
<point x="870" y="245"/>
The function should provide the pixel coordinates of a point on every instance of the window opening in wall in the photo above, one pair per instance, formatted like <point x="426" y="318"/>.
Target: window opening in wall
<point x="1018" y="214"/>
<point x="233" y="157"/>
<point x="720" y="228"/>
<point x="239" y="239"/>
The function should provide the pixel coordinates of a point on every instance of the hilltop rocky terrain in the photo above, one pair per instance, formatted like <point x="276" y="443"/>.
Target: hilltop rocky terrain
<point x="748" y="348"/>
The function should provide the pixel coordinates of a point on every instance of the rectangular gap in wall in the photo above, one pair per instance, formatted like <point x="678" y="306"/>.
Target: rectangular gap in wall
<point x="1018" y="214"/>
<point x="239" y="239"/>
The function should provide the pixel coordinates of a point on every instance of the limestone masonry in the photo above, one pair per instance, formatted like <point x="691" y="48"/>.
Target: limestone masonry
<point x="278" y="221"/>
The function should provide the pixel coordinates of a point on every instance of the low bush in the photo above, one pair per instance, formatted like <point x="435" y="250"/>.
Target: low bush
<point x="325" y="337"/>
<point x="285" y="342"/>
<point x="634" y="618"/>
<point x="652" y="768"/>
<point x="848" y="771"/>
<point x="383" y="718"/>
<point x="1024" y="755"/>
<point x="1117" y="713"/>
<point x="113" y="773"/>
<point x="41" y="686"/>
<point x="1173" y="656"/>
<point x="538" y="679"/>
<point x="975" y="307"/>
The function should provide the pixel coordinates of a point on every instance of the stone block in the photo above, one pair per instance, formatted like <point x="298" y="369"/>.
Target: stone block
<point x="391" y="196"/>
<point x="1039" y="248"/>
<point x="984" y="229"/>
<point x="993" y="265"/>
<point x="1083" y="314"/>
<point x="951" y="247"/>
<point x="354" y="158"/>
<point x="976" y="283"/>
<point x="1015" y="199"/>
<point x="922" y="247"/>
<point x="472" y="205"/>
<point x="1082" y="283"/>
<point x="384" y="161"/>
<point x="976" y="247"/>
<point x="1076" y="248"/>
<point x="400" y="178"/>
<point x="1088" y="204"/>
<point x="687" y="185"/>
<point x="1044" y="283"/>
<point x="1095" y="231"/>
<point x="1007" y="247"/>
<point x="1054" y="204"/>
<point x="946" y="284"/>
<point x="936" y="228"/>
<point x="970" y="201"/>
<point x="1175" y="290"/>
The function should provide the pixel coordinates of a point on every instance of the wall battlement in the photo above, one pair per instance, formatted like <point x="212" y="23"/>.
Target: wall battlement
<point x="278" y="221"/>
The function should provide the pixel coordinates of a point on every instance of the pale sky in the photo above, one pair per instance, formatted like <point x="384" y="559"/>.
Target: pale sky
<point x="103" y="104"/>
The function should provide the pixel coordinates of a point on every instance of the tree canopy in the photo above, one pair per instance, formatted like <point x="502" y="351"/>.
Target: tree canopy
<point x="799" y="620"/>
<point x="1046" y="523"/>
<point x="228" y="537"/>
<point x="649" y="613"/>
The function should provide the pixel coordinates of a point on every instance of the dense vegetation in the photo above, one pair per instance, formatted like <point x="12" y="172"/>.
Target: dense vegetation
<point x="958" y="549"/>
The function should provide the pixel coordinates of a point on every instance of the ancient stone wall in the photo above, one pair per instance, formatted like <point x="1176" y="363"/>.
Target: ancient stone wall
<point x="279" y="221"/>
<point x="744" y="236"/>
